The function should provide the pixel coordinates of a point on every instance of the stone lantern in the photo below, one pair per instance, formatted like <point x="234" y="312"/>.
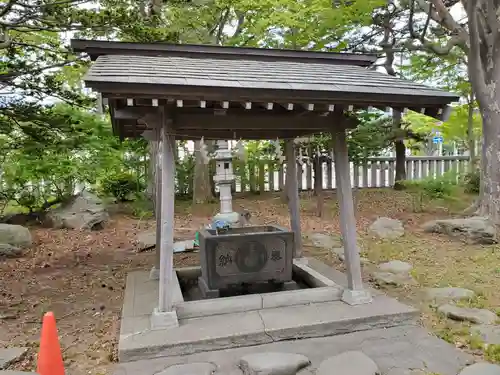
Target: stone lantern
<point x="224" y="178"/>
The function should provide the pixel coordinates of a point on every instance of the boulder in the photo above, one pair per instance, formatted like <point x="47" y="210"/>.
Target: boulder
<point x="15" y="235"/>
<point x="348" y="363"/>
<point x="270" y="363"/>
<point x="395" y="266"/>
<point x="473" y="315"/>
<point x="146" y="240"/>
<point x="449" y="294"/>
<point x="396" y="279"/>
<point x="196" y="368"/>
<point x="339" y="252"/>
<point x="489" y="333"/>
<point x="475" y="230"/>
<point x="9" y="251"/>
<point x="324" y="241"/>
<point x="84" y="212"/>
<point x="394" y="272"/>
<point x="385" y="227"/>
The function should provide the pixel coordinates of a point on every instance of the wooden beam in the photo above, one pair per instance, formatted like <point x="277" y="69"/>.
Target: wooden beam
<point x="293" y="196"/>
<point x="131" y="113"/>
<point x="253" y="122"/>
<point x="237" y="134"/>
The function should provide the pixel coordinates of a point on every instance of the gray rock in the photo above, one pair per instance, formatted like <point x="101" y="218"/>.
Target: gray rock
<point x="475" y="229"/>
<point x="273" y="363"/>
<point x="478" y="316"/>
<point x="339" y="252"/>
<point x="182" y="246"/>
<point x="84" y="212"/>
<point x="13" y="372"/>
<point x="197" y="368"/>
<point x="397" y="279"/>
<point x="324" y="241"/>
<point x="449" y="294"/>
<point x="385" y="227"/>
<point x="15" y="235"/>
<point x="146" y="240"/>
<point x="348" y="363"/>
<point x="395" y="266"/>
<point x="8" y="316"/>
<point x="9" y="251"/>
<point x="490" y="334"/>
<point x="406" y="371"/>
<point x="9" y="356"/>
<point x="481" y="369"/>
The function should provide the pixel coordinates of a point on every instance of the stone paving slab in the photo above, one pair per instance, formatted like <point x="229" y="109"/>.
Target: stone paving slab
<point x="10" y="355"/>
<point x="394" y="350"/>
<point x="194" y="335"/>
<point x="261" y="326"/>
<point x="333" y="318"/>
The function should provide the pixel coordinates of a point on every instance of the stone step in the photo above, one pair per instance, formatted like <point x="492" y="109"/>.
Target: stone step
<point x="264" y="326"/>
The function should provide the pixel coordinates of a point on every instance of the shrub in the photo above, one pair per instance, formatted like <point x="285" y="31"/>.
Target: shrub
<point x="431" y="188"/>
<point x="472" y="181"/>
<point x="434" y="188"/>
<point x="122" y="186"/>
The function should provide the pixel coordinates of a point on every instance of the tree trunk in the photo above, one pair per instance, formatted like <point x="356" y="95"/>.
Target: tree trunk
<point x="490" y="162"/>
<point x="151" y="185"/>
<point x="318" y="185"/>
<point x="471" y="141"/>
<point x="202" y="192"/>
<point x="400" y="149"/>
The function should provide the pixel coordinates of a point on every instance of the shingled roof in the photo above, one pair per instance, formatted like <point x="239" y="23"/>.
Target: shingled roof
<point x="329" y="79"/>
<point x="202" y="80"/>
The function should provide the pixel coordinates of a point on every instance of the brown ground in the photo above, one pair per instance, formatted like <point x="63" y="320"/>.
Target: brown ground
<point x="80" y="275"/>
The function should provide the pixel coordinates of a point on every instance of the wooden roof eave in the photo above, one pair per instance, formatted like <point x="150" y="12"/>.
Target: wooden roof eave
<point x="388" y="99"/>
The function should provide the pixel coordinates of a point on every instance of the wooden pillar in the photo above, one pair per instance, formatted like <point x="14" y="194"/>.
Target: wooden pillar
<point x="293" y="195"/>
<point x="158" y="206"/>
<point x="355" y="293"/>
<point x="155" y="271"/>
<point x="164" y="316"/>
<point x="153" y="136"/>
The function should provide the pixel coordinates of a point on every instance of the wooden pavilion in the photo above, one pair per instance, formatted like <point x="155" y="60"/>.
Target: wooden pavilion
<point x="192" y="91"/>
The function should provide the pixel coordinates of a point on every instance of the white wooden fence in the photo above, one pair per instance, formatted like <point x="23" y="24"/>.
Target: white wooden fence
<point x="375" y="172"/>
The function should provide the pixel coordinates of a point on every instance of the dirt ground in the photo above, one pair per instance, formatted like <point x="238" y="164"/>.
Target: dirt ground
<point x="80" y="275"/>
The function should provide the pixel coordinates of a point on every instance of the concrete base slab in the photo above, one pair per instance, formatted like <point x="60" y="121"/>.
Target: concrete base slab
<point x="356" y="297"/>
<point x="223" y="323"/>
<point x="403" y="348"/>
<point x="154" y="274"/>
<point x="262" y="326"/>
<point x="164" y="319"/>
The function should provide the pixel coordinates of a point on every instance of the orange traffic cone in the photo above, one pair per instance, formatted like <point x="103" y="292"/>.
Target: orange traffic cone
<point x="50" y="360"/>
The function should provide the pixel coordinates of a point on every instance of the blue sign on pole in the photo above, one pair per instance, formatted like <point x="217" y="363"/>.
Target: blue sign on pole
<point x="437" y="140"/>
